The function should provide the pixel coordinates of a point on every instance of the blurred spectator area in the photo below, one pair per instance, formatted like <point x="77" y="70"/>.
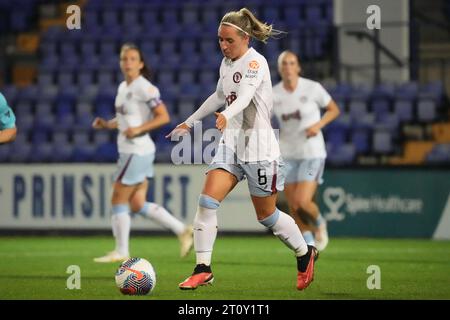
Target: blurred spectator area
<point x="65" y="78"/>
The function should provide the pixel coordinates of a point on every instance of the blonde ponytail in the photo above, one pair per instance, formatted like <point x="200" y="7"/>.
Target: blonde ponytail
<point x="245" y="22"/>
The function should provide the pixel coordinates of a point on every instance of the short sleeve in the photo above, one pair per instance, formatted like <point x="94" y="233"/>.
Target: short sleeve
<point x="322" y="97"/>
<point x="7" y="118"/>
<point x="152" y="97"/>
<point x="253" y="72"/>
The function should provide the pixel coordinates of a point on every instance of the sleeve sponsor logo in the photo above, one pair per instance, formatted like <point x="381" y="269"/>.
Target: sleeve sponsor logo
<point x="253" y="65"/>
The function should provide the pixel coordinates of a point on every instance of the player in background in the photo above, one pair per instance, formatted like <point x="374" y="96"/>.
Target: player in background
<point x="139" y="110"/>
<point x="245" y="87"/>
<point x="8" y="128"/>
<point x="297" y="105"/>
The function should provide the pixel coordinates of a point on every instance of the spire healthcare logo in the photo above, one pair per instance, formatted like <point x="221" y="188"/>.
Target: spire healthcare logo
<point x="334" y="198"/>
<point x="339" y="203"/>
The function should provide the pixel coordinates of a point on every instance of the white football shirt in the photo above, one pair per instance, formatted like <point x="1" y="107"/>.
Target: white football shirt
<point x="133" y="108"/>
<point x="249" y="133"/>
<point x="296" y="111"/>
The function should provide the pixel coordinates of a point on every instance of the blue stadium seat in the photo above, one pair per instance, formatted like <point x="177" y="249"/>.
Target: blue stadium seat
<point x="343" y="155"/>
<point x="407" y="91"/>
<point x="188" y="47"/>
<point x="61" y="137"/>
<point x="90" y="18"/>
<point x="106" y="152"/>
<point x="62" y="152"/>
<point x="5" y="151"/>
<point x="23" y="108"/>
<point x="80" y="137"/>
<point x="432" y="90"/>
<point x="404" y="110"/>
<point x="109" y="17"/>
<point x="426" y="110"/>
<point x="382" y="142"/>
<point x="186" y="76"/>
<point x="29" y="93"/>
<point x="101" y="137"/>
<point x="380" y="106"/>
<point x="186" y="107"/>
<point x="83" y="153"/>
<point x="24" y="121"/>
<point x="150" y="20"/>
<point x="130" y="17"/>
<point x="39" y="137"/>
<point x="360" y="139"/>
<point x="292" y="16"/>
<point x="336" y="136"/>
<point x="440" y="154"/>
<point x="189" y="15"/>
<point x="271" y="14"/>
<point x="357" y="109"/>
<point x="88" y="48"/>
<point x="20" y="152"/>
<point x="388" y="122"/>
<point x="45" y="79"/>
<point x="366" y="121"/>
<point x="48" y="47"/>
<point x="41" y="152"/>
<point x="10" y="92"/>
<point x="65" y="78"/>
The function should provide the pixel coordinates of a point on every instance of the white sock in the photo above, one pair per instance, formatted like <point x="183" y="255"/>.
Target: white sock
<point x="205" y="229"/>
<point x="285" y="228"/>
<point x="161" y="216"/>
<point x="121" y="224"/>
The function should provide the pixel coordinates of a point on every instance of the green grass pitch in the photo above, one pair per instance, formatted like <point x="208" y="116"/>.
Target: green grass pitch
<point x="245" y="268"/>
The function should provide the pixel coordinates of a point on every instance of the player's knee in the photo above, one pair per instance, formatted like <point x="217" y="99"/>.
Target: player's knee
<point x="205" y="201"/>
<point x="206" y="210"/>
<point x="120" y="208"/>
<point x="271" y="219"/>
<point x="138" y="207"/>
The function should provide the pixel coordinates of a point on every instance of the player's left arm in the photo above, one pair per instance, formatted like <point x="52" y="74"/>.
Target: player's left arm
<point x="8" y="135"/>
<point x="160" y="118"/>
<point x="331" y="113"/>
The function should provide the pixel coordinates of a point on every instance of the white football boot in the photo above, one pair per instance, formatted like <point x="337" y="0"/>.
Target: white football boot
<point x="112" y="256"/>
<point x="321" y="236"/>
<point x="186" y="241"/>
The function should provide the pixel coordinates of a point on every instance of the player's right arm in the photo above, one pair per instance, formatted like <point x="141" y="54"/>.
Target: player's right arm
<point x="211" y="104"/>
<point x="100" y="123"/>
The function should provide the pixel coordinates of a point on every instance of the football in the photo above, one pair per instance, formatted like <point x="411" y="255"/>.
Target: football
<point x="136" y="276"/>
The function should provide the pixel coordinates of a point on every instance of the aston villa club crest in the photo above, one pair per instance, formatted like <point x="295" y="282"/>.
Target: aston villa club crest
<point x="237" y="76"/>
<point x="303" y="99"/>
<point x="129" y="95"/>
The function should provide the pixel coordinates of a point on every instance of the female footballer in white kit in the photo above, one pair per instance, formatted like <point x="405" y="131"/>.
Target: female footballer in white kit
<point x="248" y="148"/>
<point x="139" y="109"/>
<point x="297" y="105"/>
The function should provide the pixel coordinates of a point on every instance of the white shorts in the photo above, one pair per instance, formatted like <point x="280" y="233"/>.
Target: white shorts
<point x="264" y="177"/>
<point x="304" y="170"/>
<point x="133" y="169"/>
